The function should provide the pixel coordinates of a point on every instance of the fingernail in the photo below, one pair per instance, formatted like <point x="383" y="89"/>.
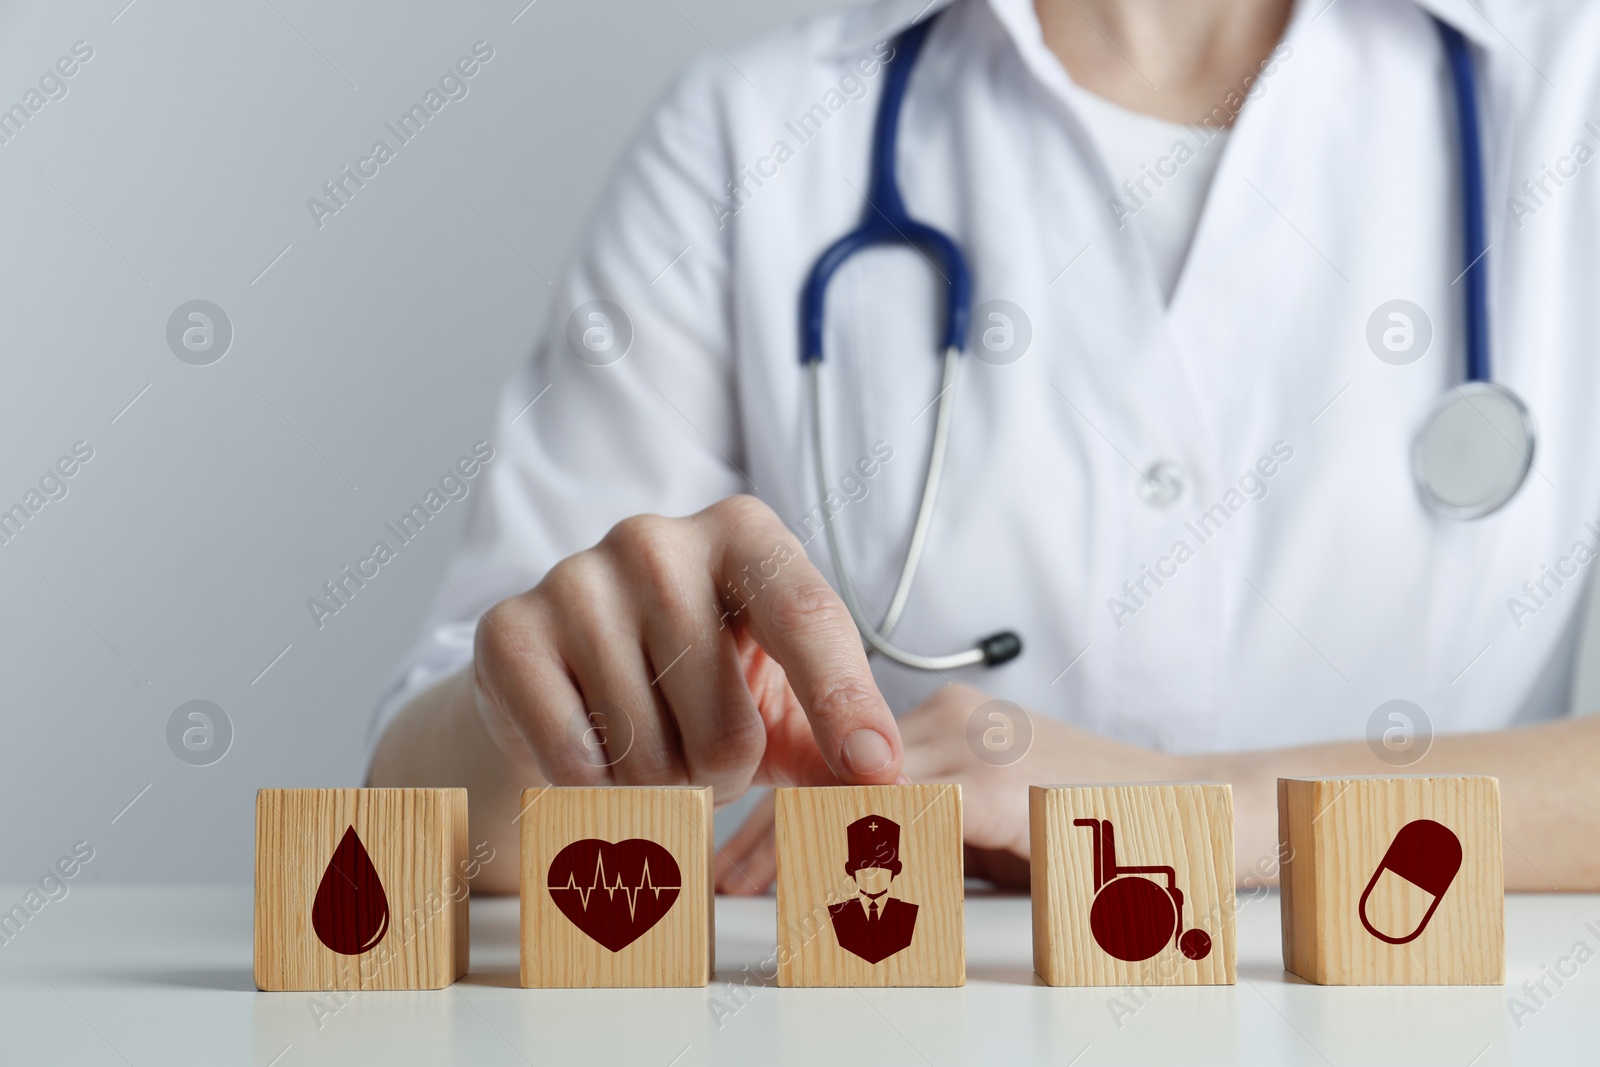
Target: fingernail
<point x="866" y="752"/>
<point x="902" y="780"/>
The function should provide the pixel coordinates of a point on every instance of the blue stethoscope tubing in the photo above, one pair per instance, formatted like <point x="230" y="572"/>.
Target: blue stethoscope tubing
<point x="886" y="222"/>
<point x="1476" y="274"/>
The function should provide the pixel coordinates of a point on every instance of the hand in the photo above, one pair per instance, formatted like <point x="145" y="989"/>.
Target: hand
<point x="702" y="650"/>
<point x="994" y="798"/>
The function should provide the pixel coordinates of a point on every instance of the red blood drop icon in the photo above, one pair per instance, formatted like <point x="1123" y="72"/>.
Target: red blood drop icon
<point x="351" y="912"/>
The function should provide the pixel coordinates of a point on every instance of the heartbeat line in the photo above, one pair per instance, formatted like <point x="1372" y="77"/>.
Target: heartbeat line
<point x="600" y="882"/>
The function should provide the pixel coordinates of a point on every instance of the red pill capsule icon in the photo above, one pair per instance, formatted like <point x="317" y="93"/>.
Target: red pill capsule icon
<point x="1427" y="855"/>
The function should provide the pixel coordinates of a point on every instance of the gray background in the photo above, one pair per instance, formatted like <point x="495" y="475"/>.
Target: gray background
<point x="365" y="360"/>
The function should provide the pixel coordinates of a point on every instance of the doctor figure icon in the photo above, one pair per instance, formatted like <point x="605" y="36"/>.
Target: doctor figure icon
<point x="872" y="924"/>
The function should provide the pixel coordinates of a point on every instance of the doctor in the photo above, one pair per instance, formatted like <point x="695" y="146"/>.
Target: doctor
<point x="1220" y="281"/>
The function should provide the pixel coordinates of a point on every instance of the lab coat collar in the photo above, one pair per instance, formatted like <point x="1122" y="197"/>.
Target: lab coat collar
<point x="868" y="24"/>
<point x="1463" y="15"/>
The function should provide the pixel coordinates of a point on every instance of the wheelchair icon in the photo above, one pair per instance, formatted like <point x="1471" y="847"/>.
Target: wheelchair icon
<point x="1133" y="918"/>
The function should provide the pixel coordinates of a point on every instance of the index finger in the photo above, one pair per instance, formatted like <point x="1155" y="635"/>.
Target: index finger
<point x="786" y="604"/>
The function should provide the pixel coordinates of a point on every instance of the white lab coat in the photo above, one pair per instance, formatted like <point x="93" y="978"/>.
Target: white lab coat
<point x="1291" y="617"/>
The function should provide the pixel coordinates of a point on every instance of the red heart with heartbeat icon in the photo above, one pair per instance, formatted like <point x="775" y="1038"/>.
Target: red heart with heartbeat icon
<point x="614" y="891"/>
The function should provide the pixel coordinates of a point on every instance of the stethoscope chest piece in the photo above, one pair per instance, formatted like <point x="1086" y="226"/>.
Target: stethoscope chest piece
<point x="1474" y="451"/>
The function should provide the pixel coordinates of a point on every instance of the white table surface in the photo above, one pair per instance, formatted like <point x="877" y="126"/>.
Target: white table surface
<point x="163" y="976"/>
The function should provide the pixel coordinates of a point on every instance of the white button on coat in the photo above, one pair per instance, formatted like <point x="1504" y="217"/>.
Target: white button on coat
<point x="1297" y="583"/>
<point x="1162" y="484"/>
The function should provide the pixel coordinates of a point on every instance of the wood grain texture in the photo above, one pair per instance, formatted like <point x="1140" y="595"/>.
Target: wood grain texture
<point x="1336" y="833"/>
<point x="677" y="949"/>
<point x="1187" y="826"/>
<point x="417" y="841"/>
<point x="813" y="850"/>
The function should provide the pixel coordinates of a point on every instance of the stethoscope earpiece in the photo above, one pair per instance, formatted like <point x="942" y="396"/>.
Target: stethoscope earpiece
<point x="999" y="648"/>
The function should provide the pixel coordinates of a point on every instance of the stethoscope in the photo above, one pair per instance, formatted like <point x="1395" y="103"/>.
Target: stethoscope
<point x="1471" y="456"/>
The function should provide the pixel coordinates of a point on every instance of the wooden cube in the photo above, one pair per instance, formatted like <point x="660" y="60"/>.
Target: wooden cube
<point x="870" y="886"/>
<point x="616" y="887"/>
<point x="360" y="889"/>
<point x="1392" y="881"/>
<point x="1133" y="884"/>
